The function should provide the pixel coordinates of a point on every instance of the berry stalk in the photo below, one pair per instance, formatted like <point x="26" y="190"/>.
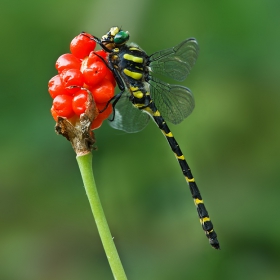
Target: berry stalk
<point x="81" y="93"/>
<point x="85" y="165"/>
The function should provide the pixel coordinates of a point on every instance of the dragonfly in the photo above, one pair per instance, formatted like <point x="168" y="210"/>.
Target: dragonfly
<point x="143" y="97"/>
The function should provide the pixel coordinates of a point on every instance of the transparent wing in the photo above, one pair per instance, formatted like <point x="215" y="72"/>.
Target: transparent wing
<point x="175" y="62"/>
<point x="127" y="117"/>
<point x="174" y="102"/>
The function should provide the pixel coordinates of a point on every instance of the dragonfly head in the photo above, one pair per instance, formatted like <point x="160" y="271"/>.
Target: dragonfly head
<point x="115" y="38"/>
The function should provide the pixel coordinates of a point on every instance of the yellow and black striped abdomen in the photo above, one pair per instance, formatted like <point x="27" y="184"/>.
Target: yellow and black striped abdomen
<point x="201" y="210"/>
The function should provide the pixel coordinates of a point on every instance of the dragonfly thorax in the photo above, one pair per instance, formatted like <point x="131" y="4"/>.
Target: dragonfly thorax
<point x="131" y="63"/>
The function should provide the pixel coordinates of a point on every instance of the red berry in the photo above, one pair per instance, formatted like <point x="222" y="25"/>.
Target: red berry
<point x="102" y="116"/>
<point x="62" y="105"/>
<point x="103" y="54"/>
<point x="105" y="113"/>
<point x="79" y="102"/>
<point x="95" y="56"/>
<point x="56" y="87"/>
<point x="72" y="80"/>
<point x="82" y="45"/>
<point x="110" y="76"/>
<point x="104" y="92"/>
<point x="82" y="68"/>
<point x="96" y="123"/>
<point x="54" y="113"/>
<point x="67" y="61"/>
<point x="95" y="73"/>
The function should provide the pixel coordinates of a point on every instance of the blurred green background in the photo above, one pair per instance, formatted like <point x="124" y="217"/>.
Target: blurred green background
<point x="231" y="142"/>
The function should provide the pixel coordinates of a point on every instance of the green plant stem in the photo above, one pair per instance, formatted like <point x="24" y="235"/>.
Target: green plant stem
<point x="85" y="165"/>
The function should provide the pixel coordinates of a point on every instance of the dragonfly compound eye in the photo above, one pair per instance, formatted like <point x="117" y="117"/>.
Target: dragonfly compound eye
<point x="121" y="37"/>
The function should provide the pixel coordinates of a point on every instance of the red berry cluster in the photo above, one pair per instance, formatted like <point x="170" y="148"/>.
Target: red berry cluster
<point x="81" y="71"/>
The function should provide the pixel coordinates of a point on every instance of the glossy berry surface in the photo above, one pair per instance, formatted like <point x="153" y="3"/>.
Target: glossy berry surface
<point x="56" y="86"/>
<point x="82" y="45"/>
<point x="67" y="61"/>
<point x="104" y="92"/>
<point x="72" y="79"/>
<point x="102" y="116"/>
<point x="95" y="73"/>
<point x="100" y="55"/>
<point x="80" y="73"/>
<point x="79" y="102"/>
<point x="62" y="105"/>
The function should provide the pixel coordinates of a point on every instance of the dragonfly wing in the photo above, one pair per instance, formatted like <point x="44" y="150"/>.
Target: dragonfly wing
<point x="174" y="102"/>
<point x="175" y="62"/>
<point x="128" y="118"/>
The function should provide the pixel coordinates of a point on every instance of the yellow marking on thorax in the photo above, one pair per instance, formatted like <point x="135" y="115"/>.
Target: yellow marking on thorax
<point x="138" y="94"/>
<point x="198" y="201"/>
<point x="133" y="49"/>
<point x="133" y="88"/>
<point x="190" y="180"/>
<point x="133" y="58"/>
<point x="133" y="75"/>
